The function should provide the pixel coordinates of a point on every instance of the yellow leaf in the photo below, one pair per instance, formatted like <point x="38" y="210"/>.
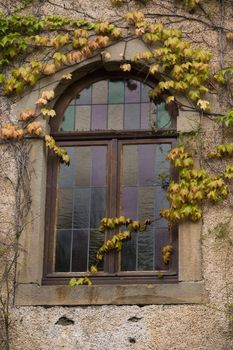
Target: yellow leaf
<point x="126" y="67"/>
<point x="49" y="112"/>
<point x="203" y="104"/>
<point x="154" y="68"/>
<point x="67" y="76"/>
<point x="47" y="95"/>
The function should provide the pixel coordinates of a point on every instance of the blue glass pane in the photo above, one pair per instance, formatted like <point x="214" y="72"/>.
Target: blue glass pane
<point x="84" y="98"/>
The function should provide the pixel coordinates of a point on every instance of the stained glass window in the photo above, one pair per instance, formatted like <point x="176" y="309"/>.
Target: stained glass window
<point x="112" y="176"/>
<point x="115" y="105"/>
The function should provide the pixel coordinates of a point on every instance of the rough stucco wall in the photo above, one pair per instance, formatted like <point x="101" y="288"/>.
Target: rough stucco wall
<point x="194" y="327"/>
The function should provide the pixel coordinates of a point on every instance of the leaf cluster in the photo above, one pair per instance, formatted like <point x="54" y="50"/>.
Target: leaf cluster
<point x="194" y="187"/>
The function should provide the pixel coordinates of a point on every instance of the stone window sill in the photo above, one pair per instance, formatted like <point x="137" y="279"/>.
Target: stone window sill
<point x="144" y="294"/>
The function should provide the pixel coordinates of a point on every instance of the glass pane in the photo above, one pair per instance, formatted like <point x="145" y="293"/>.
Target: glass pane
<point x="130" y="166"/>
<point x="132" y="91"/>
<point x="63" y="249"/>
<point x="129" y="255"/>
<point x="99" y="154"/>
<point x="142" y="197"/>
<point x="83" y="118"/>
<point x="146" y="203"/>
<point x="146" y="251"/>
<point x="144" y="93"/>
<point x="132" y="116"/>
<point x="162" y="165"/>
<point x="68" y="119"/>
<point x="65" y="208"/>
<point x="115" y="117"/>
<point x="83" y="166"/>
<point x="84" y="98"/>
<point x="116" y="91"/>
<point x="96" y="240"/>
<point x="115" y="105"/>
<point x="67" y="173"/>
<point x="100" y="92"/>
<point x="98" y="205"/>
<point x="163" y="118"/>
<point x="146" y="154"/>
<point x="82" y="207"/>
<point x="129" y="202"/>
<point x="99" y="117"/>
<point x="79" y="250"/>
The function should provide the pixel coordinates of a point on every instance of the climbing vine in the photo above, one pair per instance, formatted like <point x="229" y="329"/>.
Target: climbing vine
<point x="116" y="242"/>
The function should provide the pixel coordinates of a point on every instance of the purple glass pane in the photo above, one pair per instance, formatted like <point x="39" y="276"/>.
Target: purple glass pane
<point x="98" y="166"/>
<point x="63" y="247"/>
<point x="161" y="239"/>
<point x="79" y="250"/>
<point x="146" y="154"/>
<point x="145" y="109"/>
<point x="132" y="91"/>
<point x="84" y="98"/>
<point x="132" y="116"/>
<point x="99" y="117"/>
<point x="129" y="202"/>
<point x="144" y="92"/>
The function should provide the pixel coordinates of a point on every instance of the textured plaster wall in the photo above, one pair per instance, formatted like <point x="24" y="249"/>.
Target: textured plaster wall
<point x="186" y="327"/>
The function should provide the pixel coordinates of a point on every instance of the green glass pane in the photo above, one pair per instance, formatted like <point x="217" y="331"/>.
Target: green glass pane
<point x="116" y="92"/>
<point x="68" y="119"/>
<point x="163" y="117"/>
<point x="83" y="170"/>
<point x="130" y="165"/>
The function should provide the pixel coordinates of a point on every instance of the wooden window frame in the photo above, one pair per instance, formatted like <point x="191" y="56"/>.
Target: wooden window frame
<point x="101" y="138"/>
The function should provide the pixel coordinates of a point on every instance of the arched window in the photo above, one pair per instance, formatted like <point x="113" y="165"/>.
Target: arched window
<point x="117" y="140"/>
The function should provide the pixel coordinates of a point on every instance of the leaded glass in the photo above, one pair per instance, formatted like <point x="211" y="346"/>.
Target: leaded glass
<point x="80" y="206"/>
<point x="114" y="104"/>
<point x="142" y="196"/>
